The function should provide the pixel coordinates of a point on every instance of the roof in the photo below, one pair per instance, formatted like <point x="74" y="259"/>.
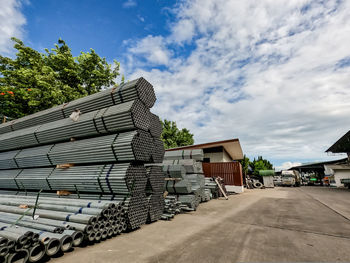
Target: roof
<point x="232" y="147"/>
<point x="342" y="145"/>
<point x="339" y="167"/>
<point x="318" y="165"/>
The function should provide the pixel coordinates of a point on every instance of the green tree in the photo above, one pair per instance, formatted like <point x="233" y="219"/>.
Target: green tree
<point x="245" y="164"/>
<point x="34" y="81"/>
<point x="260" y="164"/>
<point x="173" y="137"/>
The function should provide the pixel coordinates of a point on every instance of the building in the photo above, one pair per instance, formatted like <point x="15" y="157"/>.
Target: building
<point x="314" y="173"/>
<point x="218" y="152"/>
<point x="221" y="159"/>
<point x="339" y="171"/>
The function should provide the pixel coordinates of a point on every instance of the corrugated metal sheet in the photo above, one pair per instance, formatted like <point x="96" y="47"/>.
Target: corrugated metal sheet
<point x="231" y="172"/>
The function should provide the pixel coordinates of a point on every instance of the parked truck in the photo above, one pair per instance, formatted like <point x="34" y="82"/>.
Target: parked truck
<point x="291" y="178"/>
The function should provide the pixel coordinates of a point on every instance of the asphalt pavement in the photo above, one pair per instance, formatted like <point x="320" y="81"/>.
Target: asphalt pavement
<point x="305" y="224"/>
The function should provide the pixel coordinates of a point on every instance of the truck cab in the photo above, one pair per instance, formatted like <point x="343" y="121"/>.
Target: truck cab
<point x="290" y="178"/>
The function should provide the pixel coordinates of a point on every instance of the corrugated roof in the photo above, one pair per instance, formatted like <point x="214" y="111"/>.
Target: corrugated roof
<point x="232" y="147"/>
<point x="342" y="145"/>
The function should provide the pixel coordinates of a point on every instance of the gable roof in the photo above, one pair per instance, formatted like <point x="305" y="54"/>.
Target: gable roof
<point x="232" y="147"/>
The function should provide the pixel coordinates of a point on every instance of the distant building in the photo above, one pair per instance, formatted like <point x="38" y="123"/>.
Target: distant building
<point x="340" y="171"/>
<point x="218" y="152"/>
<point x="221" y="159"/>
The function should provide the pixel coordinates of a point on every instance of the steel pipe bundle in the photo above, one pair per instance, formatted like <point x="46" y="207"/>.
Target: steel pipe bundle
<point x="34" y="178"/>
<point x="174" y="171"/>
<point x="95" y="160"/>
<point x="191" y="166"/>
<point x="155" y="127"/>
<point x="212" y="186"/>
<point x="135" y="209"/>
<point x="114" y="178"/>
<point x="128" y="146"/>
<point x="171" y="208"/>
<point x="158" y="150"/>
<point x="123" y="117"/>
<point x="69" y="222"/>
<point x="178" y="187"/>
<point x="155" y="191"/>
<point x="22" y="244"/>
<point x="196" y="154"/>
<point x="136" y="89"/>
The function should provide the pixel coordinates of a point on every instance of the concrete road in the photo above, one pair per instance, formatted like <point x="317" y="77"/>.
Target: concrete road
<point x="306" y="224"/>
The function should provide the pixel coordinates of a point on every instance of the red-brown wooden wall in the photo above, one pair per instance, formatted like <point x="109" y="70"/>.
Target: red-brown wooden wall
<point x="231" y="172"/>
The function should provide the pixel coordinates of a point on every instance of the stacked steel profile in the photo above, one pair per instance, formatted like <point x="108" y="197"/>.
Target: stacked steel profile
<point x="93" y="150"/>
<point x="185" y="181"/>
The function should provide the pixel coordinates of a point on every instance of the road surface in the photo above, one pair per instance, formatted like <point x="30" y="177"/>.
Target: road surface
<point x="305" y="224"/>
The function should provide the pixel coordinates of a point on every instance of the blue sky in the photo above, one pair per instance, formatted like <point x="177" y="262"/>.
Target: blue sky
<point x="275" y="74"/>
<point x="101" y="25"/>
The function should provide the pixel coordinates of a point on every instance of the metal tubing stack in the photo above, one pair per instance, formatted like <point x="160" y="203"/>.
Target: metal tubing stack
<point x="185" y="182"/>
<point x="67" y="180"/>
<point x="154" y="192"/>
<point x="137" y="89"/>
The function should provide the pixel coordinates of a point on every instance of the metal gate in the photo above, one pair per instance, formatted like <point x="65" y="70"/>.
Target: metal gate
<point x="231" y="172"/>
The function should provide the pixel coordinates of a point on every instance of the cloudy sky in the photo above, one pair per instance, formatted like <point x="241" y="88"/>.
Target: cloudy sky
<point x="275" y="74"/>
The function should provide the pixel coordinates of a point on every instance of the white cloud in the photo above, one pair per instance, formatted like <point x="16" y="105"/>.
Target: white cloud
<point x="11" y="23"/>
<point x="286" y="166"/>
<point x="152" y="49"/>
<point x="129" y="4"/>
<point x="263" y="71"/>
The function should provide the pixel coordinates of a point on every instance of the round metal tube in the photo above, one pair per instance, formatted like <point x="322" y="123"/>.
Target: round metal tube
<point x="98" y="236"/>
<point x="3" y="241"/>
<point x="77" y="236"/>
<point x="4" y="251"/>
<point x="79" y="218"/>
<point x="15" y="236"/>
<point x="91" y="237"/>
<point x="20" y="256"/>
<point x="36" y="253"/>
<point x="52" y="246"/>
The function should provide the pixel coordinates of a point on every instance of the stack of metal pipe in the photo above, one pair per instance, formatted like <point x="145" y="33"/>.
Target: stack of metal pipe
<point x="184" y="178"/>
<point x="154" y="192"/>
<point x="93" y="152"/>
<point x="80" y="219"/>
<point x="137" y="89"/>
<point x="122" y="117"/>
<point x="171" y="208"/>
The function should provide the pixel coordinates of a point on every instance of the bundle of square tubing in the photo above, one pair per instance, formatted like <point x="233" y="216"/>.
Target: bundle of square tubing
<point x="184" y="181"/>
<point x="98" y="161"/>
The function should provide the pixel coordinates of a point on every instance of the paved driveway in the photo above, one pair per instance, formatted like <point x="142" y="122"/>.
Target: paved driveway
<point x="269" y="225"/>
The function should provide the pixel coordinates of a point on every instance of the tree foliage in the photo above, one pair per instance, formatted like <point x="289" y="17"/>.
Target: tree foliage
<point x="256" y="165"/>
<point x="34" y="81"/>
<point x="173" y="137"/>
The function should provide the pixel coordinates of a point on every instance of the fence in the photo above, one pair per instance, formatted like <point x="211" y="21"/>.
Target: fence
<point x="231" y="172"/>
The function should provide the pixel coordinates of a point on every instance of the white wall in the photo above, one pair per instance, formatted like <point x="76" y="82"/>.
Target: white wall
<point x="340" y="174"/>
<point x="226" y="157"/>
<point x="215" y="157"/>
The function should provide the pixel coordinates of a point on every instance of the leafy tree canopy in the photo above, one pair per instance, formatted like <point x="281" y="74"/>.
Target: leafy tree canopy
<point x="34" y="81"/>
<point x="173" y="137"/>
<point x="256" y="165"/>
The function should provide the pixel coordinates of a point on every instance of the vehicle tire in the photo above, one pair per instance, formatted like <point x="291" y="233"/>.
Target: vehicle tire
<point x="257" y="185"/>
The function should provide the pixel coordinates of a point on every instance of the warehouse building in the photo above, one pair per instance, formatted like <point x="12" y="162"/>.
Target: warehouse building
<point x="221" y="159"/>
<point x="339" y="172"/>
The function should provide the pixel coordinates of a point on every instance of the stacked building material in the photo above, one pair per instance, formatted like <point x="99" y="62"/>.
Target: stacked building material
<point x="155" y="191"/>
<point x="137" y="89"/>
<point x="69" y="223"/>
<point x="172" y="207"/>
<point x="184" y="179"/>
<point x="96" y="160"/>
<point x="212" y="187"/>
